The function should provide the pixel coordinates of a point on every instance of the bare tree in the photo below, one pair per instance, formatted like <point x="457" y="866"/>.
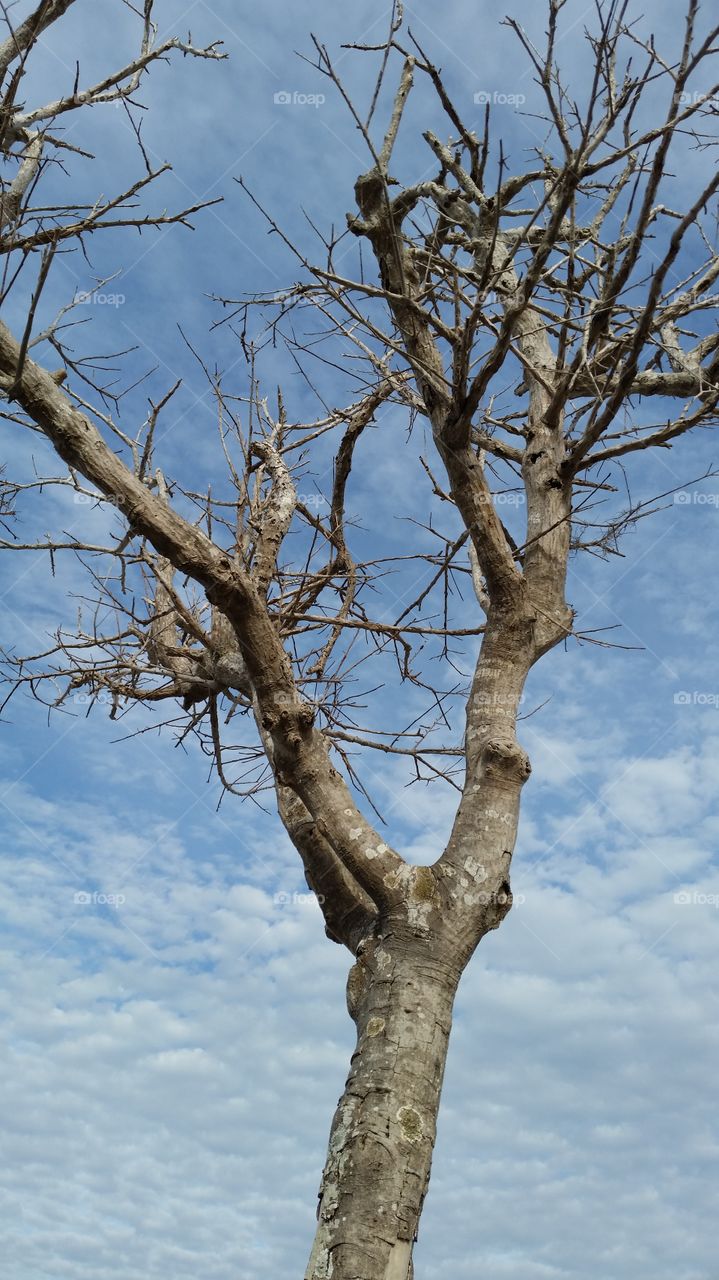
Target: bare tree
<point x="550" y="325"/>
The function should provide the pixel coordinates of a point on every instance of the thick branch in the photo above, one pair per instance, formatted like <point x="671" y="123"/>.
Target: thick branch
<point x="300" y="753"/>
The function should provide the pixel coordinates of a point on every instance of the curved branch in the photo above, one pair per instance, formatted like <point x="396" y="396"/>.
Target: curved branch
<point x="301" y="759"/>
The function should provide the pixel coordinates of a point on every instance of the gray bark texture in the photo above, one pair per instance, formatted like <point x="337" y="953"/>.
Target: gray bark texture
<point x="400" y="998"/>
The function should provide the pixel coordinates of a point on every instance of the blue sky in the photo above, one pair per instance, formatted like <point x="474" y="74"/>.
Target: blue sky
<point x="175" y="1045"/>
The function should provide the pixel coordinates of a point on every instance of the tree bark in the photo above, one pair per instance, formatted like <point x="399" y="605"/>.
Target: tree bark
<point x="400" y="994"/>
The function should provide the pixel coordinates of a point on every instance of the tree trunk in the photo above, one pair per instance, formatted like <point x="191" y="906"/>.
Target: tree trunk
<point x="400" y="995"/>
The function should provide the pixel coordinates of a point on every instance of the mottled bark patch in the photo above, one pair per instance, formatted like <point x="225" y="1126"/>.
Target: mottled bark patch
<point x="411" y="1124"/>
<point x="424" y="884"/>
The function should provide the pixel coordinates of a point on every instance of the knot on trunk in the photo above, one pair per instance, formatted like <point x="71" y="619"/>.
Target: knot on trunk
<point x="213" y="673"/>
<point x="356" y="986"/>
<point x="552" y="627"/>
<point x="504" y="759"/>
<point x="290" y="717"/>
<point x="369" y="192"/>
<point x="497" y="906"/>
